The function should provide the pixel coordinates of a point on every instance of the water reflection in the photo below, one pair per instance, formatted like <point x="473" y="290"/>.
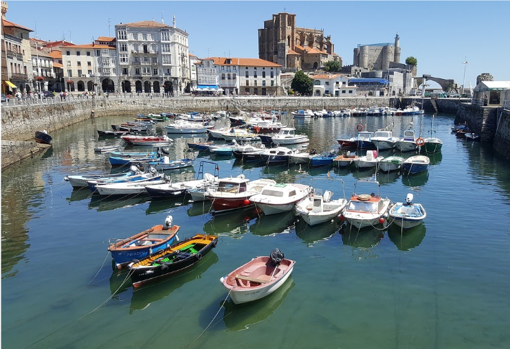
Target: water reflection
<point x="273" y="224"/>
<point x="388" y="177"/>
<point x="435" y="158"/>
<point x="408" y="239"/>
<point x="109" y="203"/>
<point x="79" y="194"/>
<point x="238" y="317"/>
<point x="158" y="205"/>
<point x="311" y="234"/>
<point x="200" y="208"/>
<point x="366" y="238"/>
<point x="416" y="180"/>
<point x="234" y="224"/>
<point x="154" y="291"/>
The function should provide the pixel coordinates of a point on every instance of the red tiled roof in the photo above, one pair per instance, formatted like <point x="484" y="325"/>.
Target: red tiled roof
<point x="325" y="76"/>
<point x="57" y="65"/>
<point x="7" y="23"/>
<point x="93" y="46"/>
<point x="56" y="54"/>
<point x="105" y="38"/>
<point x="292" y="52"/>
<point x="59" y="43"/>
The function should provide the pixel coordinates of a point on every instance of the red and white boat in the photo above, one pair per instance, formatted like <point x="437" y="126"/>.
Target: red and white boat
<point x="258" y="278"/>
<point x="147" y="140"/>
<point x="235" y="193"/>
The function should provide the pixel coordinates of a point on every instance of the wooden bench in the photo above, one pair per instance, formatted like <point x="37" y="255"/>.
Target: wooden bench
<point x="247" y="278"/>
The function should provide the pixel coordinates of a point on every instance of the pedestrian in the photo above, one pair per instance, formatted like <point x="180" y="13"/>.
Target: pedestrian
<point x="61" y="96"/>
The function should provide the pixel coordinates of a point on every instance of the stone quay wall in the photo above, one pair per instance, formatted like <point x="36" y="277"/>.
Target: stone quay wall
<point x="502" y="137"/>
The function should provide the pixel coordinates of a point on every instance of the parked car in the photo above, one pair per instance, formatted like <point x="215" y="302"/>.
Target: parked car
<point x="4" y="99"/>
<point x="48" y="94"/>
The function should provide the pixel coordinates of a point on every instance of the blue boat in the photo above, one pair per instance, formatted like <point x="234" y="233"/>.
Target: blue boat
<point x="322" y="160"/>
<point x="164" y="163"/>
<point x="79" y="181"/>
<point x="415" y="164"/>
<point x="123" y="161"/>
<point x="141" y="245"/>
<point x="133" y="154"/>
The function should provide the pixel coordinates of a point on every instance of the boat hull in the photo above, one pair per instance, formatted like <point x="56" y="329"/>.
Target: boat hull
<point x="229" y="204"/>
<point x="413" y="168"/>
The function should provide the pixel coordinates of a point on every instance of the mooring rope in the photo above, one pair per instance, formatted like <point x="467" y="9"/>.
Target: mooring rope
<point x="100" y="268"/>
<point x="210" y="323"/>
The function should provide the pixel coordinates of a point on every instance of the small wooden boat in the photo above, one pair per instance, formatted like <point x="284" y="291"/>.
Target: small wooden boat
<point x="472" y="137"/>
<point x="415" y="164"/>
<point x="345" y="160"/>
<point x="278" y="198"/>
<point x="322" y="160"/>
<point x="173" y="259"/>
<point x="143" y="244"/>
<point x="258" y="278"/>
<point x="79" y="181"/>
<point x="164" y="163"/>
<point x="42" y="137"/>
<point x="407" y="214"/>
<point x="318" y="208"/>
<point x="391" y="163"/>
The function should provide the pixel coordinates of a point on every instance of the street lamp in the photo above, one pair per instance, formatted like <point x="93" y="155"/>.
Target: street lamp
<point x="464" y="79"/>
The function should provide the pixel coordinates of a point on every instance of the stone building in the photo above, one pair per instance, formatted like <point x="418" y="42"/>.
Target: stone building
<point x="377" y="56"/>
<point x="239" y="76"/>
<point x="294" y="48"/>
<point x="16" y="58"/>
<point x="153" y="57"/>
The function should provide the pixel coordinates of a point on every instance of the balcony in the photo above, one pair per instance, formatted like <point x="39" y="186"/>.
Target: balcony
<point x="18" y="77"/>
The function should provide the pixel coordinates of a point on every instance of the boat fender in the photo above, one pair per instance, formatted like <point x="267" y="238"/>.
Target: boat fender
<point x="215" y="242"/>
<point x="199" y="256"/>
<point x="66" y="178"/>
<point x="164" y="266"/>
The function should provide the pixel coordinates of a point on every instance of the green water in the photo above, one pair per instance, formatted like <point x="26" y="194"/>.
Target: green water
<point x="441" y="285"/>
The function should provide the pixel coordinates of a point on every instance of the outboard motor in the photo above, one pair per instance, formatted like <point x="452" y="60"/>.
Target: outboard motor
<point x="276" y="256"/>
<point x="168" y="222"/>
<point x="409" y="199"/>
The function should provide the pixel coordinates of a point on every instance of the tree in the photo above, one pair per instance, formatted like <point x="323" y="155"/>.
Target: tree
<point x="411" y="61"/>
<point x="302" y="83"/>
<point x="333" y="66"/>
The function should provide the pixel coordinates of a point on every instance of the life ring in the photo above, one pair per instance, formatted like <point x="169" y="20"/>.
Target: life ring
<point x="420" y="141"/>
<point x="364" y="197"/>
<point x="359" y="127"/>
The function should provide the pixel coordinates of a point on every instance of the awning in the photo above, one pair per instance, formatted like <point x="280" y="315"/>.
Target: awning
<point x="10" y="84"/>
<point x="207" y="88"/>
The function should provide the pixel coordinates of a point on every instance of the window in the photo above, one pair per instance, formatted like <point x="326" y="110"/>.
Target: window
<point x="166" y="59"/>
<point x="79" y="72"/>
<point x="165" y="48"/>
<point x="247" y="90"/>
<point x="272" y="82"/>
<point x="263" y="74"/>
<point x="79" y="64"/>
<point x="247" y="83"/>
<point x="263" y="82"/>
<point x="121" y="34"/>
<point x="167" y="71"/>
<point x="68" y="53"/>
<point x="78" y="53"/>
<point x="122" y="48"/>
<point x="272" y="74"/>
<point x="264" y="92"/>
<point x="228" y="76"/>
<point x="255" y="72"/>
<point x="89" y="64"/>
<point x="247" y="74"/>
<point x="137" y="71"/>
<point x="98" y="53"/>
<point x="145" y="49"/>
<point x="223" y="76"/>
<point x="327" y="83"/>
<point x="123" y="58"/>
<point x="146" y="71"/>
<point x="88" y="53"/>
<point x="124" y="71"/>
<point x="165" y="36"/>
<point x="68" y="63"/>
<point x="89" y="72"/>
<point x="234" y="76"/>
<point x="255" y="91"/>
<point x="155" y="71"/>
<point x="144" y="37"/>
<point x="255" y="83"/>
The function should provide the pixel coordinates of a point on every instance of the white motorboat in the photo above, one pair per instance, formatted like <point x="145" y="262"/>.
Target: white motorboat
<point x="408" y="142"/>
<point x="369" y="160"/>
<point x="181" y="188"/>
<point x="301" y="157"/>
<point x="127" y="188"/>
<point x="218" y="133"/>
<point x="306" y="113"/>
<point x="407" y="214"/>
<point x="186" y="127"/>
<point x="287" y="135"/>
<point x="391" y="163"/>
<point x="276" y="155"/>
<point x="235" y="193"/>
<point x="383" y="140"/>
<point x="278" y="198"/>
<point x="316" y="208"/>
<point x="80" y="181"/>
<point x="366" y="210"/>
<point x="258" y="278"/>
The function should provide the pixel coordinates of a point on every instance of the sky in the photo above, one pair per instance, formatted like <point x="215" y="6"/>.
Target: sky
<point x="441" y="35"/>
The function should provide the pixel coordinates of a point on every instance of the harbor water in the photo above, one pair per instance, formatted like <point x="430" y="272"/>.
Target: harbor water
<point x="443" y="284"/>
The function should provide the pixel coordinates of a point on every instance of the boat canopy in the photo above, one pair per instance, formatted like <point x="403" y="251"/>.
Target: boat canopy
<point x="208" y="88"/>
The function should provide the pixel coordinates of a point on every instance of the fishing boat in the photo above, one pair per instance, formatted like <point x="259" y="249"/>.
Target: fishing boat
<point x="350" y="142"/>
<point x="364" y="140"/>
<point x="369" y="160"/>
<point x="186" y="127"/>
<point x="80" y="181"/>
<point x="127" y="160"/>
<point x="278" y="155"/>
<point x="383" y="140"/>
<point x="303" y="113"/>
<point x="391" y="163"/>
<point x="322" y="160"/>
<point x="200" y="145"/>
<point x="203" y="181"/>
<point x="303" y="157"/>
<point x="319" y="208"/>
<point x="366" y="210"/>
<point x="143" y="244"/>
<point x="242" y="151"/>
<point x="171" y="260"/>
<point x="287" y="135"/>
<point x="42" y="137"/>
<point x="415" y="164"/>
<point x="147" y="140"/>
<point x="432" y="144"/>
<point x="258" y="278"/>
<point x="345" y="160"/>
<point x="278" y="198"/>
<point x="164" y="163"/>
<point x="108" y="133"/>
<point x="407" y="214"/>
<point x="408" y="142"/>
<point x="235" y="193"/>
<point x="128" y="188"/>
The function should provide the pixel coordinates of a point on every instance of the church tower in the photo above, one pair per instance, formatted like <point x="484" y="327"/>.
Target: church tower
<point x="397" y="49"/>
